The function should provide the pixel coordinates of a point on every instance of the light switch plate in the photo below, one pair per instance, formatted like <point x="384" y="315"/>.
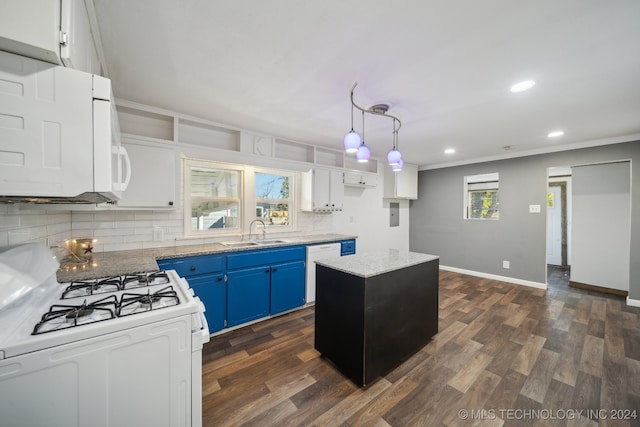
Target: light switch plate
<point x="534" y="208"/>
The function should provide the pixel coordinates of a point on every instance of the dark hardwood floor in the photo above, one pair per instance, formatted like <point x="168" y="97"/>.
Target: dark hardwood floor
<point x="504" y="355"/>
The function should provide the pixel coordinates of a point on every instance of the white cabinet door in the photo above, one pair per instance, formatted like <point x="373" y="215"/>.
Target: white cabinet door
<point x="31" y="28"/>
<point x="402" y="184"/>
<point x="153" y="176"/>
<point x="336" y="188"/>
<point x="322" y="191"/>
<point x="58" y="32"/>
<point x="77" y="48"/>
<point x="356" y="179"/>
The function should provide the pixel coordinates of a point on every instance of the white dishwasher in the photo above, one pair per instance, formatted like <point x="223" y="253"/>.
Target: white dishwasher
<point x="315" y="253"/>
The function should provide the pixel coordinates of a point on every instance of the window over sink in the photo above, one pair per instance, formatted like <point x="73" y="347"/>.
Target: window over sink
<point x="224" y="199"/>
<point x="215" y="198"/>
<point x="273" y="199"/>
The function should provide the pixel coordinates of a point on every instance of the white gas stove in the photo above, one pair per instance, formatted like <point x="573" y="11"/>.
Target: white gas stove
<point x="118" y="351"/>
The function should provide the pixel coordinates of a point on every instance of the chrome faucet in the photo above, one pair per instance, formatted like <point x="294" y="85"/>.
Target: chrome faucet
<point x="264" y="228"/>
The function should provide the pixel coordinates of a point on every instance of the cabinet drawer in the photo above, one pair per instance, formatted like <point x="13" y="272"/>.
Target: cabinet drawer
<point x="194" y="265"/>
<point x="265" y="257"/>
<point x="347" y="247"/>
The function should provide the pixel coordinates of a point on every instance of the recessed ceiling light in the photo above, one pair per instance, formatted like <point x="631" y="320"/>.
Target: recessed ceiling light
<point x="449" y="151"/>
<point x="555" y="134"/>
<point x="522" y="86"/>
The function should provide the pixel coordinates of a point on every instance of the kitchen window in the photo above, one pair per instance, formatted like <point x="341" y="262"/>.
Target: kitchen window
<point x="481" y="196"/>
<point x="224" y="199"/>
<point x="273" y="196"/>
<point x="214" y="201"/>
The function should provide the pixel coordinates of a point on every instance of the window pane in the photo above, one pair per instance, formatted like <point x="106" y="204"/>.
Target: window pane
<point x="273" y="187"/>
<point x="214" y="215"/>
<point x="214" y="183"/>
<point x="483" y="204"/>
<point x="273" y="213"/>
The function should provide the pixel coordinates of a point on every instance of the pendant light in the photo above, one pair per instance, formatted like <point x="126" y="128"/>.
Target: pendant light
<point x="353" y="143"/>
<point x="352" y="140"/>
<point x="394" y="156"/>
<point x="363" y="153"/>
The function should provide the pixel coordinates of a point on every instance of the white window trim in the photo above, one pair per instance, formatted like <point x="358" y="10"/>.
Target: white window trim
<point x="488" y="181"/>
<point x="188" y="164"/>
<point x="247" y="199"/>
<point x="293" y="200"/>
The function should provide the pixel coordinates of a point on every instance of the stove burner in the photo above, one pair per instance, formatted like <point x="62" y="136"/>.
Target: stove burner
<point x="66" y="316"/>
<point x="149" y="299"/>
<point x="76" y="313"/>
<point x="135" y="303"/>
<point x="113" y="284"/>
<point x="147" y="279"/>
<point x="91" y="287"/>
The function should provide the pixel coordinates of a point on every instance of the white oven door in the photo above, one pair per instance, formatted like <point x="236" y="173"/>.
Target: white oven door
<point x="137" y="377"/>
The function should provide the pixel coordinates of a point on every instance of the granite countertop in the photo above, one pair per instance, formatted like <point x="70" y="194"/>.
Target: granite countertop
<point x="137" y="261"/>
<point x="378" y="262"/>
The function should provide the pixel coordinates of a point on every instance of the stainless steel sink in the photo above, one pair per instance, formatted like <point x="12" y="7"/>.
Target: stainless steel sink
<point x="271" y="241"/>
<point x="253" y="243"/>
<point x="239" y="244"/>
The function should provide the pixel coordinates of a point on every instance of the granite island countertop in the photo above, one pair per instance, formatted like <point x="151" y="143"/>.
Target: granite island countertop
<point x="376" y="262"/>
<point x="137" y="261"/>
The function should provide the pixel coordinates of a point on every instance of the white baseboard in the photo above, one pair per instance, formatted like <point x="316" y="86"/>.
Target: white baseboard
<point x="496" y="277"/>
<point x="633" y="302"/>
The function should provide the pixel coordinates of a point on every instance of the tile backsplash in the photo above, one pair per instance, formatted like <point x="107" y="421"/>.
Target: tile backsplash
<point x="114" y="230"/>
<point x="33" y="225"/>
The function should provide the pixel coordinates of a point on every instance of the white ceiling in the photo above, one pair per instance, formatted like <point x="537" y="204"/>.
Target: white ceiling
<point x="285" y="68"/>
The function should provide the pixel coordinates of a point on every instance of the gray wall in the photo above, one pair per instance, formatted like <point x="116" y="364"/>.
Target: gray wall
<point x="436" y="224"/>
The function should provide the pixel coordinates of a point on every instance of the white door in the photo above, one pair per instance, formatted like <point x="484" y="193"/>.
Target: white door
<point x="554" y="226"/>
<point x="601" y="222"/>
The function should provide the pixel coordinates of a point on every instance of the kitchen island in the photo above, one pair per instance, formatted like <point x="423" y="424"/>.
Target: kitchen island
<point x="374" y="310"/>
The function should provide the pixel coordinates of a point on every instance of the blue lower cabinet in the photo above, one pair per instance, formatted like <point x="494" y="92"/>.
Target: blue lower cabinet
<point x="287" y="286"/>
<point x="212" y="291"/>
<point x="248" y="295"/>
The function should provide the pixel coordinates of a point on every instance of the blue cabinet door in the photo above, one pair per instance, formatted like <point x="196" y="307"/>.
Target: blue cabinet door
<point x="248" y="295"/>
<point x="347" y="247"/>
<point x="287" y="286"/>
<point x="212" y="291"/>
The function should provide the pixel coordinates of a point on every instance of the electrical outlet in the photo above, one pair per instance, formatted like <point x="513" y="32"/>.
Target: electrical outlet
<point x="506" y="264"/>
<point x="158" y="234"/>
<point x="534" y="208"/>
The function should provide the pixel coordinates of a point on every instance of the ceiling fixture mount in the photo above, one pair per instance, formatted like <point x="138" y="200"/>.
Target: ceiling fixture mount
<point x="353" y="143"/>
<point x="450" y="151"/>
<point x="555" y="134"/>
<point x="379" y="108"/>
<point x="522" y="86"/>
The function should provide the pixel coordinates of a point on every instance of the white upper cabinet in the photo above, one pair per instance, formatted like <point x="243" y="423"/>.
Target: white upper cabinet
<point x="58" y="32"/>
<point x="322" y="190"/>
<point x="356" y="179"/>
<point x="402" y="184"/>
<point x="153" y="176"/>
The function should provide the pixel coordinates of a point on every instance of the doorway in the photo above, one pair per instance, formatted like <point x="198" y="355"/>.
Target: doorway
<point x="558" y="225"/>
<point x="588" y="226"/>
